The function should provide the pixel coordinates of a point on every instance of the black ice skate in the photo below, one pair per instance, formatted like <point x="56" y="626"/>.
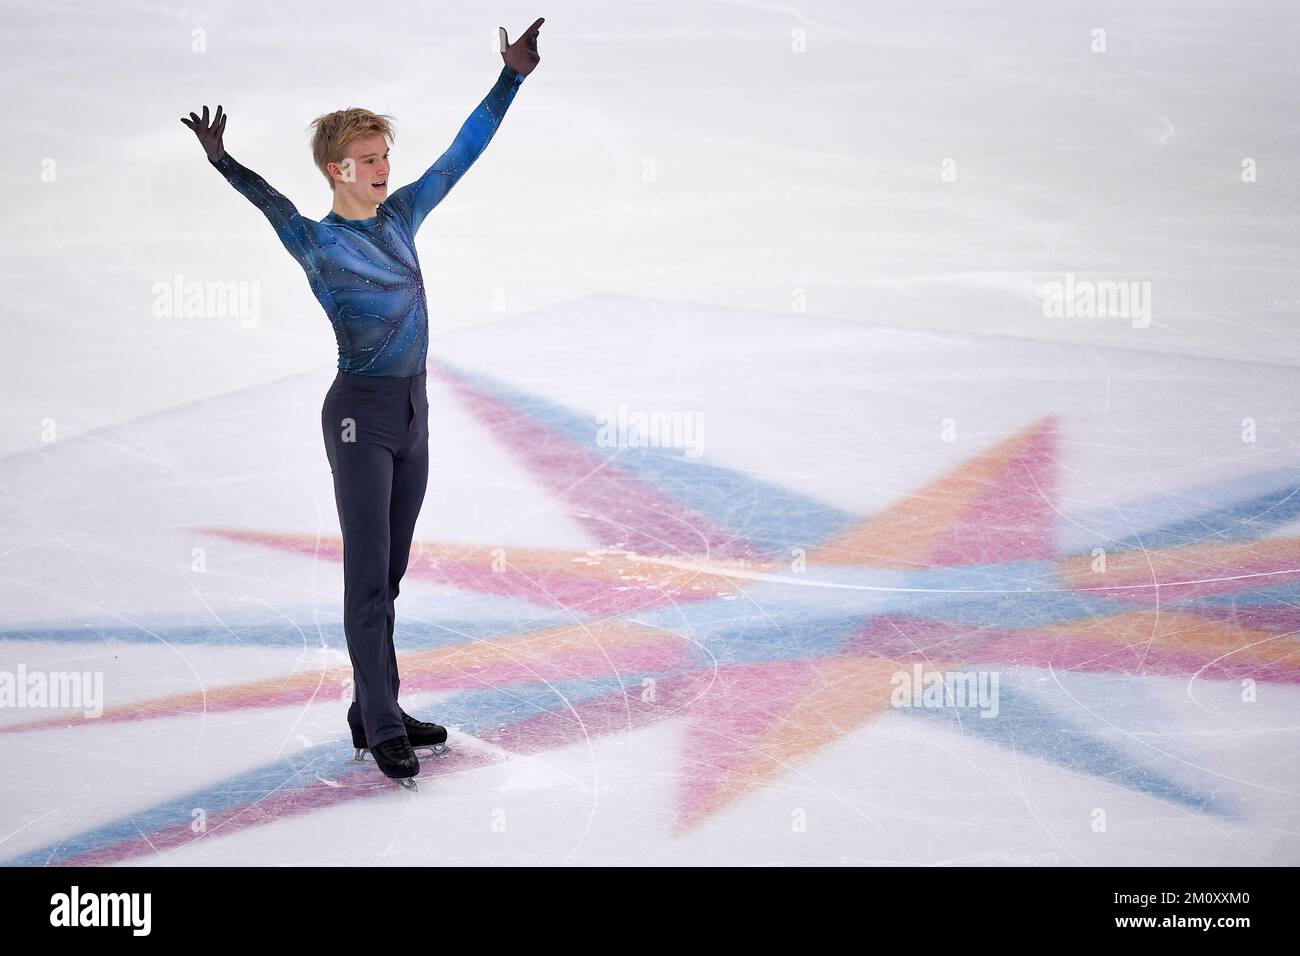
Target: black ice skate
<point x="425" y="735"/>
<point x="422" y="734"/>
<point x="396" y="759"/>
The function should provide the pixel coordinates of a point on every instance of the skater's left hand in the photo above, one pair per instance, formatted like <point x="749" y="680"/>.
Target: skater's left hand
<point x="521" y="56"/>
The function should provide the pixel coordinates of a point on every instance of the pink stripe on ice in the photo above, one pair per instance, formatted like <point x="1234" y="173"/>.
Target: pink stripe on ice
<point x="357" y="781"/>
<point x="910" y="640"/>
<point x="618" y="712"/>
<point x="1014" y="519"/>
<point x="727" y="726"/>
<point x="581" y="595"/>
<point x="616" y="508"/>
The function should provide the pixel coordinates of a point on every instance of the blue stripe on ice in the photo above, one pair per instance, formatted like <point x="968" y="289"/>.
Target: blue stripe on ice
<point x="328" y="760"/>
<point x="412" y="635"/>
<point x="1012" y="595"/>
<point x="1024" y="726"/>
<point x="1278" y="596"/>
<point x="479" y="712"/>
<point x="745" y="642"/>
<point x="1249" y="506"/>
<point x="467" y="713"/>
<point x="773" y="518"/>
<point x="1255" y="518"/>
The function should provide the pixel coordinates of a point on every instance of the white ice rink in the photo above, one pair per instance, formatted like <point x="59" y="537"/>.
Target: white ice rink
<point x="818" y="241"/>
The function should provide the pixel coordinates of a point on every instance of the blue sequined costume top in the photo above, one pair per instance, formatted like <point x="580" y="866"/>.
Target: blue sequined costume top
<point x="365" y="272"/>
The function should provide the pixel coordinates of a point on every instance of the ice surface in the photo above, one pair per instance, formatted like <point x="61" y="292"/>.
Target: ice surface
<point x="735" y="216"/>
<point x="653" y="656"/>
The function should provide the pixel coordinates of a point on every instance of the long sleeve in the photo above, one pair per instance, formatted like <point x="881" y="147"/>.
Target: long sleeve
<point x="413" y="202"/>
<point x="295" y="232"/>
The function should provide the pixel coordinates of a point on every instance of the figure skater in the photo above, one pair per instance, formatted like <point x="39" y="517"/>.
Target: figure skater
<point x="362" y="266"/>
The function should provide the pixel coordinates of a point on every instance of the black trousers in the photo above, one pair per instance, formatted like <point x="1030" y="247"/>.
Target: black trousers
<point x="376" y="432"/>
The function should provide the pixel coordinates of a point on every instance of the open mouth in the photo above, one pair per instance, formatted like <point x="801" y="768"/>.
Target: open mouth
<point x="380" y="185"/>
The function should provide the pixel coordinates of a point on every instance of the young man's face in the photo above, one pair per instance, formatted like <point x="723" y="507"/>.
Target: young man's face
<point x="369" y="164"/>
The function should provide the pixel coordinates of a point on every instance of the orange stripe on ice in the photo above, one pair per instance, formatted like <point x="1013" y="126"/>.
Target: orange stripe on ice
<point x="551" y="642"/>
<point x="904" y="535"/>
<point x="616" y="567"/>
<point x="842" y="695"/>
<point x="612" y="637"/>
<point x="1196" y="562"/>
<point x="1174" y="631"/>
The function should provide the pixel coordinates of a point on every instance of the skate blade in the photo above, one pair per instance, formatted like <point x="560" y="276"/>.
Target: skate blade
<point x="441" y="751"/>
<point x="406" y="783"/>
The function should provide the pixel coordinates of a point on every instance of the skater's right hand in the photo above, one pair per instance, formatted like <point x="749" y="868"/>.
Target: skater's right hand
<point x="209" y="136"/>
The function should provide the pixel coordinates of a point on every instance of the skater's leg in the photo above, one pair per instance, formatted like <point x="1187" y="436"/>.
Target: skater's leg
<point x="410" y="479"/>
<point x="362" y="464"/>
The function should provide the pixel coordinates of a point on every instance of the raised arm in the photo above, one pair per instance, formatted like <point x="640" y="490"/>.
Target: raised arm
<point x="295" y="233"/>
<point x="413" y="202"/>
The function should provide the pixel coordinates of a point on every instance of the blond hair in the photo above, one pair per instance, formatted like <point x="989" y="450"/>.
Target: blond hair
<point x="332" y="133"/>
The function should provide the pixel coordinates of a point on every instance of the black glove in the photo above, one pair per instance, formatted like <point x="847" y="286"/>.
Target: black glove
<point x="209" y="136"/>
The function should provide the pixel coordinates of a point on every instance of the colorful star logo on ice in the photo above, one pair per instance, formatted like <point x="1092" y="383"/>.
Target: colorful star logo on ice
<point x="767" y="626"/>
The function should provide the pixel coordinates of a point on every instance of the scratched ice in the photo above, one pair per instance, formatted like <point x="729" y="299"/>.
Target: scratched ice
<point x="1008" y="589"/>
<point x="652" y="655"/>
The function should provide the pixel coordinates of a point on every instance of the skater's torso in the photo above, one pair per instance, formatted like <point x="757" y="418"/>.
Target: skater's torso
<point x="365" y="272"/>
<point x="367" y="277"/>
